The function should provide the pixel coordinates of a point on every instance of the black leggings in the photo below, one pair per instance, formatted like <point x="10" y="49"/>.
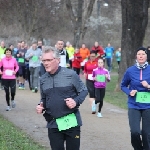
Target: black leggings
<point x="9" y="83"/>
<point x="77" y="70"/>
<point x="135" y="118"/>
<point x="99" y="96"/>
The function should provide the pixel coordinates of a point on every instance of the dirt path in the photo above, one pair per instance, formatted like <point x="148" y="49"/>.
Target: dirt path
<point x="108" y="133"/>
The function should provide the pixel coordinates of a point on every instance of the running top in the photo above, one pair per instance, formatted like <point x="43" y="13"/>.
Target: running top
<point x="9" y="66"/>
<point x="101" y="72"/>
<point x="132" y="81"/>
<point x="88" y="68"/>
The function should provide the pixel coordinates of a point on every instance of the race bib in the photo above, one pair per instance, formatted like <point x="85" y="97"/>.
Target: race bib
<point x="9" y="72"/>
<point x="109" y="54"/>
<point x="35" y="58"/>
<point x="143" y="97"/>
<point x="67" y="122"/>
<point x="101" y="78"/>
<point x="21" y="60"/>
<point x="90" y="76"/>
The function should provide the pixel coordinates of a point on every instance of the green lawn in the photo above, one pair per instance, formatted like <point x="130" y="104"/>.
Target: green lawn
<point x="12" y="138"/>
<point x="115" y="98"/>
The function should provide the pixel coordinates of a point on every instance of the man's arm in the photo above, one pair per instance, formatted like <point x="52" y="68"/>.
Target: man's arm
<point x="80" y="89"/>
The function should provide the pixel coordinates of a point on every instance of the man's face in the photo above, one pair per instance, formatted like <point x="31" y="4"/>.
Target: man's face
<point x="34" y="46"/>
<point x="19" y="45"/>
<point x="3" y="44"/>
<point x="23" y="44"/>
<point x="83" y="45"/>
<point x="96" y="44"/>
<point x="39" y="43"/>
<point x="50" y="63"/>
<point x="60" y="45"/>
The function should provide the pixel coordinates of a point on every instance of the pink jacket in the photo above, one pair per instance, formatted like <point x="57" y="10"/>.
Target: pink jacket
<point x="9" y="65"/>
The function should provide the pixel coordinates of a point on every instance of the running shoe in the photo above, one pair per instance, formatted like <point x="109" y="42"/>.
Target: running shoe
<point x="93" y="107"/>
<point x="23" y="87"/>
<point x="99" y="115"/>
<point x="33" y="91"/>
<point x="36" y="89"/>
<point x="13" y="104"/>
<point x="8" y="108"/>
<point x="20" y="86"/>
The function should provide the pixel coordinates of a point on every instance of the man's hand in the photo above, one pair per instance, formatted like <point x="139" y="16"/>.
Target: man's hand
<point x="145" y="84"/>
<point x="39" y="108"/>
<point x="70" y="103"/>
<point x="133" y="92"/>
<point x="106" y="76"/>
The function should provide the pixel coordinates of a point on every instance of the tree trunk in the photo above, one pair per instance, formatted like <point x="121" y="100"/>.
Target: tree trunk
<point x="78" y="24"/>
<point x="134" y="23"/>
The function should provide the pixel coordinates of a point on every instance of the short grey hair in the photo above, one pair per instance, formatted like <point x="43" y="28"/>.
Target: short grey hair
<point x="48" y="49"/>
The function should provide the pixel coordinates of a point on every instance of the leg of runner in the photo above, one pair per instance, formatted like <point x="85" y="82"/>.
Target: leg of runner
<point x="6" y="88"/>
<point x="134" y="122"/>
<point x="31" y="77"/>
<point x="36" y="78"/>
<point x="13" y="92"/>
<point x="99" y="96"/>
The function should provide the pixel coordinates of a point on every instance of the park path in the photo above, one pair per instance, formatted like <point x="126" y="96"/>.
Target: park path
<point x="108" y="133"/>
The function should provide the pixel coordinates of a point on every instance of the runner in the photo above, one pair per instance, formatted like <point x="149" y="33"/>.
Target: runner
<point x="70" y="51"/>
<point x="136" y="84"/>
<point x="64" y="57"/>
<point x="88" y="69"/>
<point x="62" y="92"/>
<point x="109" y="50"/>
<point x="10" y="67"/>
<point x="101" y="76"/>
<point x="98" y="49"/>
<point x="85" y="53"/>
<point x="76" y="61"/>
<point x="22" y="66"/>
<point x="118" y="56"/>
<point x="33" y="55"/>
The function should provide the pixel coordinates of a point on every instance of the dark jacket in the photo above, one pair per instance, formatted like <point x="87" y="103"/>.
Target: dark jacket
<point x="65" y="83"/>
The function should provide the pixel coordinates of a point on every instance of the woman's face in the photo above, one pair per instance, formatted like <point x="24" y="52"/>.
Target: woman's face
<point x="141" y="57"/>
<point x="8" y="53"/>
<point x="92" y="57"/>
<point x="100" y="63"/>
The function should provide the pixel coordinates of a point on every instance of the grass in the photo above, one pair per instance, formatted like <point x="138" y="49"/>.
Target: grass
<point x="115" y="98"/>
<point x="12" y="138"/>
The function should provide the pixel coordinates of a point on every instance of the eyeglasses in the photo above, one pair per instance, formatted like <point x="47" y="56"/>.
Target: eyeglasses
<point x="47" y="60"/>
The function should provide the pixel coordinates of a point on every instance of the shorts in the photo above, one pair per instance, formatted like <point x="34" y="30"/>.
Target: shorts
<point x="22" y="71"/>
<point x="91" y="88"/>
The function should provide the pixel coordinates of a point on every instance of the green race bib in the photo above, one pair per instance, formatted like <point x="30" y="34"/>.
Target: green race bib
<point x="66" y="122"/>
<point x="143" y="97"/>
<point x="21" y="60"/>
<point x="101" y="78"/>
<point x="109" y="54"/>
<point x="35" y="58"/>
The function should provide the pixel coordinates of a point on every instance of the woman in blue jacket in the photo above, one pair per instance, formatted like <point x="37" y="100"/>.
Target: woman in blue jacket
<point x="136" y="84"/>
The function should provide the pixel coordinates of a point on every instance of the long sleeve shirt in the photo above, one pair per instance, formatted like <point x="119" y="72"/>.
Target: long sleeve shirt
<point x="55" y="88"/>
<point x="9" y="66"/>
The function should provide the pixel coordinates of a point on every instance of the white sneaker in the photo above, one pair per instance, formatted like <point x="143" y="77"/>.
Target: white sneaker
<point x="93" y="107"/>
<point x="99" y="115"/>
<point x="13" y="104"/>
<point x="8" y="108"/>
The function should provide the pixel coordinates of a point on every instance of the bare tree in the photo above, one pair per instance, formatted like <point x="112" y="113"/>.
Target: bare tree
<point x="134" y="23"/>
<point x="79" y="18"/>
